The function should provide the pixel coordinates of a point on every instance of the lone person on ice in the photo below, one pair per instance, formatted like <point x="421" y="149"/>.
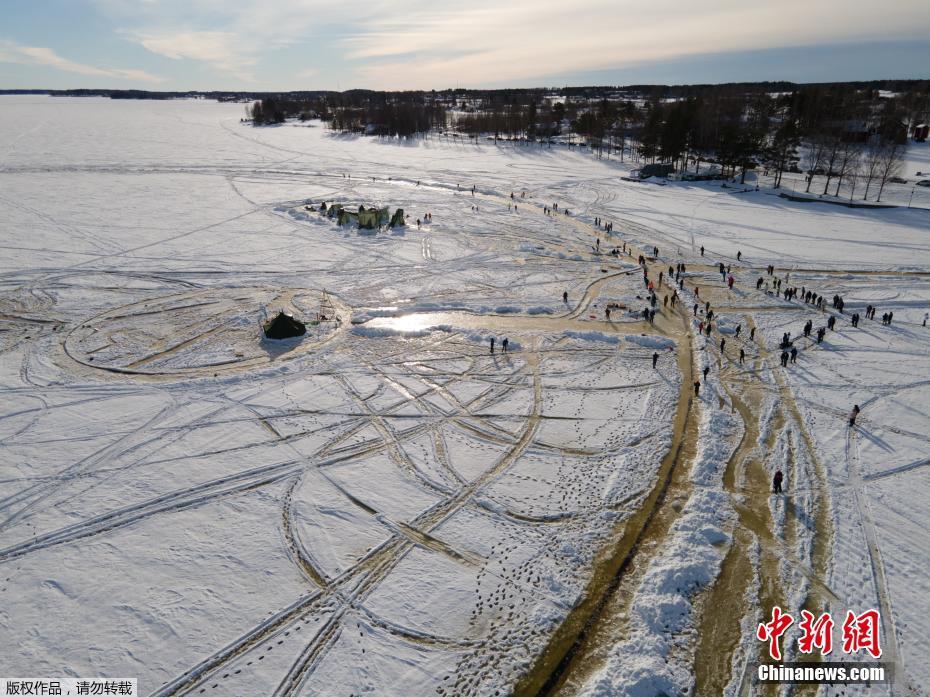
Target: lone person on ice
<point x="853" y="414"/>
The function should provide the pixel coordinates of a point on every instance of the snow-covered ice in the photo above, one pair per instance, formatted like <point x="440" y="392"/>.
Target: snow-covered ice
<point x="385" y="506"/>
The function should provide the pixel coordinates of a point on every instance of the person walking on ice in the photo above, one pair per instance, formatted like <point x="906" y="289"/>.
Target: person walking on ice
<point x="852" y="415"/>
<point x="492" y="344"/>
<point x="742" y="356"/>
<point x="504" y="344"/>
<point x="776" y="482"/>
<point x="697" y="387"/>
<point x="655" y="359"/>
<point x="565" y="296"/>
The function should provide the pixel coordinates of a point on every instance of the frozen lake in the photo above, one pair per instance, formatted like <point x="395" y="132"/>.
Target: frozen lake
<point x="388" y="505"/>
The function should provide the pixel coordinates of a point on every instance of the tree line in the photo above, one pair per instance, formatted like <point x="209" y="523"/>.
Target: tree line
<point x="357" y="111"/>
<point x="832" y="134"/>
<point x="835" y="133"/>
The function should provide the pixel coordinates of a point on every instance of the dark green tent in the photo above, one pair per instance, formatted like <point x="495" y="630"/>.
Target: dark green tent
<point x="284" y="326"/>
<point x="372" y="218"/>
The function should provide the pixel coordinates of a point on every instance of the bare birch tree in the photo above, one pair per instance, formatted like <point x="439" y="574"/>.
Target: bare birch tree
<point x="814" y="157"/>
<point x="889" y="165"/>
<point x="871" y="163"/>
<point x="847" y="163"/>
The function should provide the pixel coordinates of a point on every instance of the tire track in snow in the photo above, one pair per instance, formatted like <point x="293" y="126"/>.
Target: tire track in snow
<point x="877" y="566"/>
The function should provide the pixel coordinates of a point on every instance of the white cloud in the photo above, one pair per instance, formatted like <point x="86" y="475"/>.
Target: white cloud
<point x="12" y="52"/>
<point x="495" y="42"/>
<point x="222" y="49"/>
<point x="434" y="43"/>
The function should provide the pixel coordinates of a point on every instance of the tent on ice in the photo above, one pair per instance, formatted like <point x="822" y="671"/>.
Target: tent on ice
<point x="284" y="326"/>
<point x="366" y="218"/>
<point x="372" y="218"/>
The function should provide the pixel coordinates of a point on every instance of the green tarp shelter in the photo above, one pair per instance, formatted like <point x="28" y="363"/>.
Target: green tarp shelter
<point x="284" y="326"/>
<point x="365" y="218"/>
<point x="372" y="218"/>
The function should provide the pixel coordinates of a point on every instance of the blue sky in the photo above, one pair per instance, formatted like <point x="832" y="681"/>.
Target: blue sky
<point x="422" y="44"/>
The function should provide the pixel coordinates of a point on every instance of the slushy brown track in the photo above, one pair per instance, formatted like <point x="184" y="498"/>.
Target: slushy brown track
<point x="570" y="644"/>
<point x="562" y="667"/>
<point x="720" y="626"/>
<point x="724" y="605"/>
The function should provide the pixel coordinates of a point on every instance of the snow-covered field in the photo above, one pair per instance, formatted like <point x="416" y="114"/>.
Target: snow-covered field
<point x="386" y="507"/>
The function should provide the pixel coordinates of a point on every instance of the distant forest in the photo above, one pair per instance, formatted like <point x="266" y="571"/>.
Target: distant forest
<point x="831" y="131"/>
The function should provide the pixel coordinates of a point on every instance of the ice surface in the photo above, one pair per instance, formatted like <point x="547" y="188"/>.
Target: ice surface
<point x="393" y="509"/>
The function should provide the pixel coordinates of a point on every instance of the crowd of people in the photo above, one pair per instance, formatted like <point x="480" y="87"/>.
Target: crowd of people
<point x="770" y="283"/>
<point x="789" y="351"/>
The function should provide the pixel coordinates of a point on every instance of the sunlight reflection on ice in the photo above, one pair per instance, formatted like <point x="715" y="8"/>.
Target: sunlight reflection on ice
<point x="417" y="323"/>
<point x="406" y="324"/>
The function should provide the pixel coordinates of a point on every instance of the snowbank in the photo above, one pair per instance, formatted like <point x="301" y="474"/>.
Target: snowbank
<point x="651" y="661"/>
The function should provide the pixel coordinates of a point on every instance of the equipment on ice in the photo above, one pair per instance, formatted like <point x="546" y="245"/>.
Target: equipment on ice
<point x="372" y="218"/>
<point x="283" y="326"/>
<point x="365" y="218"/>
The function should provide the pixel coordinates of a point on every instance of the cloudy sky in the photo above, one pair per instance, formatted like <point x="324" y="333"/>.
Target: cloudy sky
<point x="416" y="44"/>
